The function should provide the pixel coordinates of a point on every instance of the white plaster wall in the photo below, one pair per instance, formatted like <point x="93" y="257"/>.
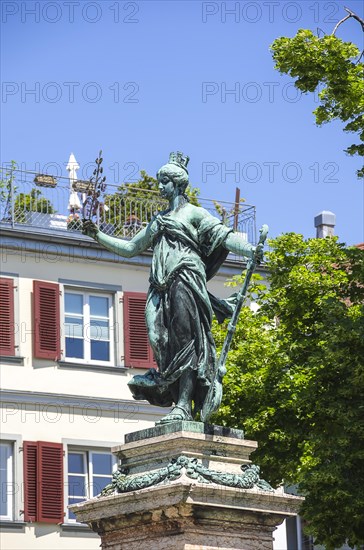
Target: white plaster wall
<point x="41" y="536"/>
<point x="280" y="537"/>
<point x="218" y="288"/>
<point x="45" y="375"/>
<point x="37" y="423"/>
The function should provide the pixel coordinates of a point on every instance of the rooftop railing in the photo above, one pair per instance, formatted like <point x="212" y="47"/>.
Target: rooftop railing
<point x="30" y="200"/>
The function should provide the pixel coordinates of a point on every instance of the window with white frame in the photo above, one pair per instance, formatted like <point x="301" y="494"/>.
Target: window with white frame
<point x="88" y="323"/>
<point x="6" y="477"/>
<point x="89" y="471"/>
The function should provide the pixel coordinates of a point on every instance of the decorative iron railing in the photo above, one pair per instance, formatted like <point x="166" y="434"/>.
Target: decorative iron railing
<point x="44" y="202"/>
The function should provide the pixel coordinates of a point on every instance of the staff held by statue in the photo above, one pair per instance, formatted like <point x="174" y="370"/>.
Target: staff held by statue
<point x="214" y="396"/>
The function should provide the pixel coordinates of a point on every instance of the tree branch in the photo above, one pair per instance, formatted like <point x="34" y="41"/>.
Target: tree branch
<point x="339" y="23"/>
<point x="355" y="16"/>
<point x="361" y="55"/>
<point x="318" y="32"/>
<point x="350" y="14"/>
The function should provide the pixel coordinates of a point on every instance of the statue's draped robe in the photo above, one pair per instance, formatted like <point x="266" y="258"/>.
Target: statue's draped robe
<point x="179" y="309"/>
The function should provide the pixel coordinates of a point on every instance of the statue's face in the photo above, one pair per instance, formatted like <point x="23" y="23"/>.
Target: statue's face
<point x="166" y="185"/>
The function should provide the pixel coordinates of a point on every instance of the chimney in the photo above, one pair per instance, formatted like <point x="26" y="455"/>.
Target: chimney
<point x="325" y="224"/>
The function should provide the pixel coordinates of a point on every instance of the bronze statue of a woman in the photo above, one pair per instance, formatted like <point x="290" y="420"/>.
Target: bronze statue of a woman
<point x="189" y="245"/>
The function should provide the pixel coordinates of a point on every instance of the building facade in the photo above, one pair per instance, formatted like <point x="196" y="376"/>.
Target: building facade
<point x="73" y="335"/>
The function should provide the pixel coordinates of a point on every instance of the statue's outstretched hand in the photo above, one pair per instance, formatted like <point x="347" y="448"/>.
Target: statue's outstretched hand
<point x="89" y="229"/>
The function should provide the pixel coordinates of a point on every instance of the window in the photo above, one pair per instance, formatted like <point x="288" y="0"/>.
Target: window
<point x="6" y="477"/>
<point x="88" y="473"/>
<point x="88" y="326"/>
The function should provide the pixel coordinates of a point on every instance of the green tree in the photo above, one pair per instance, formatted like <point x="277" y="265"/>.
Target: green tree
<point x="333" y="66"/>
<point x="31" y="202"/>
<point x="23" y="202"/>
<point x="6" y="184"/>
<point x="295" y="381"/>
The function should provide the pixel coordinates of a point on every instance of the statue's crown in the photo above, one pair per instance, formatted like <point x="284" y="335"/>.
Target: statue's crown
<point x="179" y="160"/>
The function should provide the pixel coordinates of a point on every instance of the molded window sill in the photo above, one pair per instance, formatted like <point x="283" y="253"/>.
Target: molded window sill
<point x="83" y="366"/>
<point x="77" y="528"/>
<point x="10" y="524"/>
<point x="12" y="360"/>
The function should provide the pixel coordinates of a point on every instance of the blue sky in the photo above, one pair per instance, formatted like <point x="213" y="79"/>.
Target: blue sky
<point x="141" y="79"/>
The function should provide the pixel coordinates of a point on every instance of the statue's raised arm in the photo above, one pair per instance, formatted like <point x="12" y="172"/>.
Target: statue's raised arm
<point x="122" y="247"/>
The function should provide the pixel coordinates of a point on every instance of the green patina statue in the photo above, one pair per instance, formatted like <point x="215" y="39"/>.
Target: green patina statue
<point x="189" y="245"/>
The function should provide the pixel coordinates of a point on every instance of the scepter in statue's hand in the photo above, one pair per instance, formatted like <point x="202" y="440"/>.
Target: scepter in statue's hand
<point x="92" y="203"/>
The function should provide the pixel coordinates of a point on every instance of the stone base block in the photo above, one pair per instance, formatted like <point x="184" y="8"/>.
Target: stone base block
<point x="187" y="486"/>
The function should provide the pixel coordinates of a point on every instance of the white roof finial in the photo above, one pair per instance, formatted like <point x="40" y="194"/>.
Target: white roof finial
<point x="72" y="167"/>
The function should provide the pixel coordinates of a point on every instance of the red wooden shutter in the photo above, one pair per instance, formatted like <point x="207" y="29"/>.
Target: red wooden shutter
<point x="7" y="341"/>
<point x="43" y="482"/>
<point x="50" y="482"/>
<point x="30" y="480"/>
<point x="46" y="313"/>
<point x="138" y="352"/>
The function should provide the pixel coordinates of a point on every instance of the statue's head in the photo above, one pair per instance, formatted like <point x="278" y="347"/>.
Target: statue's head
<point x="176" y="171"/>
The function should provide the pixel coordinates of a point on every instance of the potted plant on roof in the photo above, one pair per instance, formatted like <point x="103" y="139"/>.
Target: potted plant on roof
<point x="74" y="222"/>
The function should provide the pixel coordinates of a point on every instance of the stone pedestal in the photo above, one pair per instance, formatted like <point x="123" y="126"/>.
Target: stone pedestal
<point x="187" y="486"/>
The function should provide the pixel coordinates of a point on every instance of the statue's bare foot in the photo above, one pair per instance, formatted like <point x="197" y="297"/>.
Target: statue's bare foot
<point x="177" y="414"/>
